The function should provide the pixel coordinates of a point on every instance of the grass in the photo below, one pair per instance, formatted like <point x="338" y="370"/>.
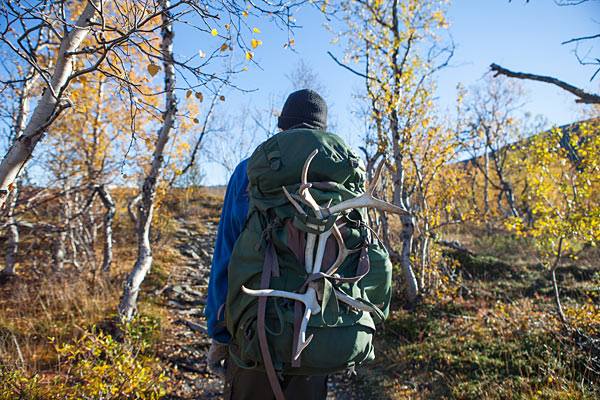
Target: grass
<point x="42" y="307"/>
<point x="499" y="340"/>
<point x="495" y="337"/>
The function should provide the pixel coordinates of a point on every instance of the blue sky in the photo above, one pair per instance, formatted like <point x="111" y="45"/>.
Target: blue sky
<point x="520" y="36"/>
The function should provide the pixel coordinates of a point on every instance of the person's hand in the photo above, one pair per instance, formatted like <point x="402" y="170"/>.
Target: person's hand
<point x="215" y="360"/>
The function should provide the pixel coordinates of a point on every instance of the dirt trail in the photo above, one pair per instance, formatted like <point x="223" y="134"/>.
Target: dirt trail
<point x="186" y="342"/>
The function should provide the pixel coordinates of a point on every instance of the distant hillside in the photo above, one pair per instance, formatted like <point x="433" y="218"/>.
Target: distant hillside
<point x="566" y="131"/>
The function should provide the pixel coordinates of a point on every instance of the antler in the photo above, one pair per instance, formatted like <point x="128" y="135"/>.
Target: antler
<point x="343" y="250"/>
<point x="304" y="192"/>
<point x="310" y="237"/>
<point x="310" y="298"/>
<point x="311" y="304"/>
<point x="366" y="200"/>
<point x="351" y="301"/>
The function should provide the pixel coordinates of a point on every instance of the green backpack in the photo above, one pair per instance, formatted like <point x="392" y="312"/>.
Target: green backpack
<point x="270" y="254"/>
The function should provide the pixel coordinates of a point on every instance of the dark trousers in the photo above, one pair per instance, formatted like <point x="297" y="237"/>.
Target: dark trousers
<point x="244" y="384"/>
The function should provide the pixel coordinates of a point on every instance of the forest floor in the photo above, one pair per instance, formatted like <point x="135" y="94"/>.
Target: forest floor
<point x="185" y="339"/>
<point x="487" y="330"/>
<point x="493" y="335"/>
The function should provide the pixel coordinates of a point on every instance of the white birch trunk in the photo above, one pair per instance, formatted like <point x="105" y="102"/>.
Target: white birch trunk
<point x="12" y="236"/>
<point x="12" y="232"/>
<point x="48" y="108"/>
<point x="486" y="201"/>
<point x="59" y="250"/>
<point x="109" y="204"/>
<point x="68" y="223"/>
<point x="408" y="226"/>
<point x="127" y="307"/>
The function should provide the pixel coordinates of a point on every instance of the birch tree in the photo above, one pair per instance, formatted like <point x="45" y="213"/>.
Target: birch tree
<point x="563" y="169"/>
<point x="493" y="123"/>
<point x="86" y="37"/>
<point x="141" y="208"/>
<point x="24" y="93"/>
<point x="53" y="102"/>
<point x="145" y="209"/>
<point x="392" y="41"/>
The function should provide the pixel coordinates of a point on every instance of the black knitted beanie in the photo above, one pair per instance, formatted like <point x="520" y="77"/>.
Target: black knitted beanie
<point x="304" y="106"/>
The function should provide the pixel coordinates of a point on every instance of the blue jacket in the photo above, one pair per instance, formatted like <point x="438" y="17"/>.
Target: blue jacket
<point x="233" y="216"/>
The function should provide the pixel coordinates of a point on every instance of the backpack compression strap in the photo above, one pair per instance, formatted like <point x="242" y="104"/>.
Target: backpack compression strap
<point x="271" y="266"/>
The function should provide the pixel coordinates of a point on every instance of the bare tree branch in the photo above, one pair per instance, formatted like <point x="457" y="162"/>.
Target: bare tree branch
<point x="583" y="97"/>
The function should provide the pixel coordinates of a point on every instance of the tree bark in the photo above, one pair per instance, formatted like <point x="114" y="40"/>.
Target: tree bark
<point x="49" y="106"/>
<point x="109" y="204"/>
<point x="559" y="308"/>
<point x="583" y="97"/>
<point x="127" y="307"/>
<point x="486" y="200"/>
<point x="408" y="226"/>
<point x="12" y="235"/>
<point x="19" y="127"/>
<point x="59" y="250"/>
<point x="408" y="229"/>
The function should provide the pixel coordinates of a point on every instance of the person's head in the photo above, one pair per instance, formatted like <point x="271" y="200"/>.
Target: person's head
<point x="303" y="107"/>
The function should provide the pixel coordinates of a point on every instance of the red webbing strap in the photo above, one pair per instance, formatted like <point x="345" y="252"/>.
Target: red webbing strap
<point x="271" y="264"/>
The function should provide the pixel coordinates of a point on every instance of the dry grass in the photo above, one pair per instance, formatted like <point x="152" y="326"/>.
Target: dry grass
<point x="41" y="303"/>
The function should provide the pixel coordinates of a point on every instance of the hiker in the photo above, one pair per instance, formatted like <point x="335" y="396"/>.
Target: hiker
<point x="303" y="109"/>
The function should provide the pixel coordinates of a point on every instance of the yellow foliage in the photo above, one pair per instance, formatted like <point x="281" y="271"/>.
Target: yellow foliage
<point x="563" y="169"/>
<point x="96" y="366"/>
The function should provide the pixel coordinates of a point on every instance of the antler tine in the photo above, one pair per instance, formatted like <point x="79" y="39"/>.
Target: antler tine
<point x="304" y="192"/>
<point x="343" y="250"/>
<point x="311" y="304"/>
<point x="351" y="301"/>
<point x="302" y="340"/>
<point x="309" y="298"/>
<point x="321" y="251"/>
<point x="291" y="199"/>
<point x="375" y="180"/>
<point x="311" y="239"/>
<point x="304" y="176"/>
<point x="367" y="200"/>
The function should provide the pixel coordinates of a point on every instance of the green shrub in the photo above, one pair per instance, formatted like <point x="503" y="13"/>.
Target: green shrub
<point x="95" y="366"/>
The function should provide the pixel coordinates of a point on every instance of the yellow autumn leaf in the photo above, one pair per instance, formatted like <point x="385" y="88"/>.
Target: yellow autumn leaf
<point x="245" y="13"/>
<point x="254" y="43"/>
<point x="153" y="69"/>
<point x="249" y="55"/>
<point x="214" y="32"/>
<point x="256" y="30"/>
<point x="226" y="26"/>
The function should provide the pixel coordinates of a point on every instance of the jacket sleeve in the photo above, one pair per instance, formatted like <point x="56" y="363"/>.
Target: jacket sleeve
<point x="233" y="216"/>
